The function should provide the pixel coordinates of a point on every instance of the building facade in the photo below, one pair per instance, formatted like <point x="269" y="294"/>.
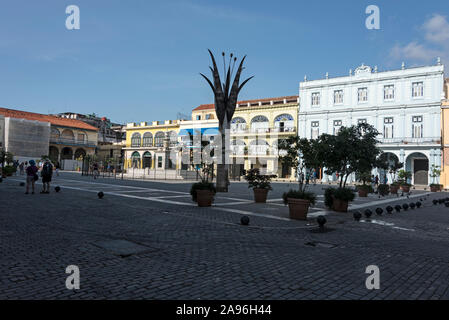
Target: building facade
<point x="111" y="136"/>
<point x="151" y="145"/>
<point x="31" y="135"/>
<point x="403" y="105"/>
<point x="444" y="180"/>
<point x="256" y="127"/>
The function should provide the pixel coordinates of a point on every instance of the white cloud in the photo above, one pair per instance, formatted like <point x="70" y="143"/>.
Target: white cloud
<point x="434" y="43"/>
<point x="414" y="51"/>
<point x="437" y="29"/>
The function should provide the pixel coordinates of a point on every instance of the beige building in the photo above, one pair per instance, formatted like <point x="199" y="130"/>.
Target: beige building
<point x="256" y="128"/>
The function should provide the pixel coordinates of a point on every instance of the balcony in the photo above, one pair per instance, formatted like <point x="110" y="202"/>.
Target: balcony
<point x="72" y="142"/>
<point x="408" y="140"/>
<point x="278" y="130"/>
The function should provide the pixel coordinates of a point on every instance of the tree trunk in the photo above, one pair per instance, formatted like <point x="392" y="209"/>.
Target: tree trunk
<point x="223" y="168"/>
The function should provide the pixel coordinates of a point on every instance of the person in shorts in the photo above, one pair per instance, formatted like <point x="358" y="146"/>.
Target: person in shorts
<point x="31" y="176"/>
<point x="46" y="174"/>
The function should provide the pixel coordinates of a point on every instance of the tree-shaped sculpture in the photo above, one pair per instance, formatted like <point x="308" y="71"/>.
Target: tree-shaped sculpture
<point x="225" y="102"/>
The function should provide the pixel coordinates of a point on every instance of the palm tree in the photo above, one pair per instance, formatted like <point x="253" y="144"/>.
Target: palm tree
<point x="225" y="102"/>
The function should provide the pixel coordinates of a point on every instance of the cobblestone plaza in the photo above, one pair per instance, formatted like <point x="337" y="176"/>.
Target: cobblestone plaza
<point x="147" y="240"/>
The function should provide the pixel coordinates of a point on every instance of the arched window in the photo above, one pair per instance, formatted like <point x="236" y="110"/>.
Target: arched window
<point x="135" y="140"/>
<point x="284" y="123"/>
<point x="147" y="139"/>
<point x="159" y="139"/>
<point x="238" y="124"/>
<point x="259" y="124"/>
<point x="68" y="135"/>
<point x="54" y="135"/>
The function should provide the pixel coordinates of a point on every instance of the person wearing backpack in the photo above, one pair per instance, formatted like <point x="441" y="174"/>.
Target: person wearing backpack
<point x="46" y="173"/>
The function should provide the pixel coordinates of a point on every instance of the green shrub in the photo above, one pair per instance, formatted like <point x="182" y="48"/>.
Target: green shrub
<point x="344" y="194"/>
<point x="383" y="189"/>
<point x="257" y="180"/>
<point x="201" y="186"/>
<point x="9" y="170"/>
<point x="296" y="194"/>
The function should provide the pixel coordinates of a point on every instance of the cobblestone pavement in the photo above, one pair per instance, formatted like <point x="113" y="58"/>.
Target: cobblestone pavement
<point x="186" y="252"/>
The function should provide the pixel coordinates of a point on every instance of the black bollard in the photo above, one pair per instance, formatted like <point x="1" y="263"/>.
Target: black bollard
<point x="357" y="216"/>
<point x="100" y="194"/>
<point x="368" y="213"/>
<point x="244" y="220"/>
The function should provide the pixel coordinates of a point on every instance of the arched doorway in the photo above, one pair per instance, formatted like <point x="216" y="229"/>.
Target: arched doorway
<point x="66" y="153"/>
<point x="53" y="154"/>
<point x="418" y="164"/>
<point x="80" y="153"/>
<point x="147" y="160"/>
<point x="135" y="160"/>
<point x="284" y="123"/>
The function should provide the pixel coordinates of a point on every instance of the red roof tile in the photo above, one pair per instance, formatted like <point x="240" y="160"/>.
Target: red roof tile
<point x="57" y="121"/>
<point x="212" y="106"/>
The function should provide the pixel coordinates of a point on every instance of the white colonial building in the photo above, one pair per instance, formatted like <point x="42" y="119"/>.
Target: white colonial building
<point x="404" y="106"/>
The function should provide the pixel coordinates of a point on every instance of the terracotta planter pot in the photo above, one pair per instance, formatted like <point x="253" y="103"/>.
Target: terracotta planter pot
<point x="363" y="193"/>
<point x="435" y="189"/>
<point x="394" y="189"/>
<point x="298" y="208"/>
<point x="405" y="188"/>
<point x="340" y="205"/>
<point x="260" y="195"/>
<point x="204" y="198"/>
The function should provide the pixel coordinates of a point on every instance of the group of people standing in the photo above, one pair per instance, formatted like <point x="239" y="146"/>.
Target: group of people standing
<point x="32" y="175"/>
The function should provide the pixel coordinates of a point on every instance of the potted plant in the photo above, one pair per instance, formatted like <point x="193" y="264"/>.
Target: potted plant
<point x="260" y="183"/>
<point x="338" y="199"/>
<point x="404" y="176"/>
<point x="353" y="149"/>
<point x="203" y="192"/>
<point x="298" y="203"/>
<point x="435" y="173"/>
<point x="363" y="189"/>
<point x="299" y="154"/>
<point x="394" y="187"/>
<point x="436" y="187"/>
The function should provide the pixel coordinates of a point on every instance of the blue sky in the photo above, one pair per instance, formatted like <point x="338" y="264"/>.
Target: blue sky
<point x="139" y="60"/>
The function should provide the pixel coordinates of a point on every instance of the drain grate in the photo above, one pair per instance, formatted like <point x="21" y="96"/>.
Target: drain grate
<point x="123" y="248"/>
<point x="320" y="244"/>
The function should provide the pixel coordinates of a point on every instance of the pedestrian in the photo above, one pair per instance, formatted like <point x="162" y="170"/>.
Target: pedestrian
<point x="95" y="170"/>
<point x="22" y="168"/>
<point x="57" y="168"/>
<point x="32" y="176"/>
<point x="376" y="180"/>
<point x="46" y="173"/>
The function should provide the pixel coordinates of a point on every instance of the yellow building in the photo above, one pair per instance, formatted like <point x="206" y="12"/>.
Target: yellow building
<point x="151" y="145"/>
<point x="256" y="128"/>
<point x="444" y="178"/>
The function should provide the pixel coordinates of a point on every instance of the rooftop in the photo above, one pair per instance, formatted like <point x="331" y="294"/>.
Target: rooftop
<point x="251" y="102"/>
<point x="57" y="121"/>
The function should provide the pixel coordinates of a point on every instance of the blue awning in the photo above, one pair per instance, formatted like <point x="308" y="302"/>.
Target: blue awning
<point x="195" y="131"/>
